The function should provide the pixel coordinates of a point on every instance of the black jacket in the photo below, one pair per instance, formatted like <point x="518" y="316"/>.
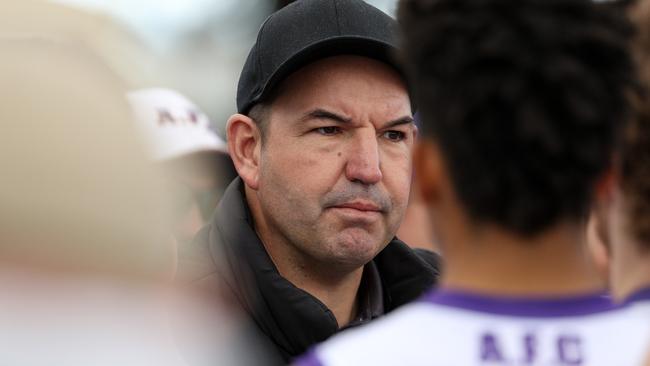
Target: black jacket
<point x="229" y="250"/>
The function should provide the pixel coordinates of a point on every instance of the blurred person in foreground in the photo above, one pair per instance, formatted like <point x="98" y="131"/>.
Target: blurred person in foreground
<point x="85" y="257"/>
<point x="522" y="104"/>
<point x="627" y="217"/>
<point x="194" y="158"/>
<point x="322" y="144"/>
<point x="417" y="228"/>
<point x="627" y="207"/>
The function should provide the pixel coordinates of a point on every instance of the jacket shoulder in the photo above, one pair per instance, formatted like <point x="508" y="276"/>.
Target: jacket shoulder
<point x="406" y="273"/>
<point x="432" y="259"/>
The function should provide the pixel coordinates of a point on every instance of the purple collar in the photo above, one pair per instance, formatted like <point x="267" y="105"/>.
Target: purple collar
<point x="543" y="307"/>
<point x="308" y="359"/>
<point x="640" y="295"/>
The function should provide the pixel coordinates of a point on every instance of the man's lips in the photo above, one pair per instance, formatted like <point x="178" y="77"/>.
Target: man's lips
<point x="360" y="206"/>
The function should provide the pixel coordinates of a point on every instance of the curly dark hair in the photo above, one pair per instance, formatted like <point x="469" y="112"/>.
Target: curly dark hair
<point x="635" y="174"/>
<point x="635" y="154"/>
<point x="526" y="99"/>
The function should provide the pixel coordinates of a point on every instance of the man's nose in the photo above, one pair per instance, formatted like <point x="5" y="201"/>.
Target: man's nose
<point x="363" y="165"/>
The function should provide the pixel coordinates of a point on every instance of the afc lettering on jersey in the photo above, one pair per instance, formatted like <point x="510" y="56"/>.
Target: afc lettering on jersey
<point x="456" y="328"/>
<point x="563" y="350"/>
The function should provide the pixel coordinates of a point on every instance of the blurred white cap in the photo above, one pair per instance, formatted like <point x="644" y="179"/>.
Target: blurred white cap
<point x="172" y="125"/>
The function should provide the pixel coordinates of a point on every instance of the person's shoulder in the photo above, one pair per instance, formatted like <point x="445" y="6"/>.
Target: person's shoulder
<point x="424" y="333"/>
<point x="624" y="329"/>
<point x="634" y="313"/>
<point x="403" y="337"/>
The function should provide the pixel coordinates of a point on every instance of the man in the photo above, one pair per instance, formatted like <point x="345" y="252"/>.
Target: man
<point x="322" y="144"/>
<point x="521" y="104"/>
<point x="627" y="210"/>
<point x="628" y="215"/>
<point x="194" y="158"/>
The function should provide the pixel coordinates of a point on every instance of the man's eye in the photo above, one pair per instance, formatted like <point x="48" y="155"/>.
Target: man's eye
<point x="328" y="131"/>
<point x="394" y="135"/>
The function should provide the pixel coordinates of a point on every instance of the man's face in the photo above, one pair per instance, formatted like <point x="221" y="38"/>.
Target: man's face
<point x="335" y="166"/>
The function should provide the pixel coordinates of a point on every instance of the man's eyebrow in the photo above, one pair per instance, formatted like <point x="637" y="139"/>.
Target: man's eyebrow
<point x="320" y="113"/>
<point x="400" y="121"/>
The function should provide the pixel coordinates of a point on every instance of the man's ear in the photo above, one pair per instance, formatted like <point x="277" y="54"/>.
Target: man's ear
<point x="598" y="242"/>
<point x="598" y="235"/>
<point x="244" y="144"/>
<point x="428" y="170"/>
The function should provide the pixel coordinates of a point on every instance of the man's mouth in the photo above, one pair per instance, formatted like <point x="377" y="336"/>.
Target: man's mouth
<point x="364" y="206"/>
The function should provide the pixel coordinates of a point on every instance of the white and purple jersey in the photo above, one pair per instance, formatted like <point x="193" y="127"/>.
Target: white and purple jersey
<point x="639" y="297"/>
<point x="452" y="328"/>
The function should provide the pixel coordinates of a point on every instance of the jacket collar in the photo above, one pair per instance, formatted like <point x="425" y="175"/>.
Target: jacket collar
<point x="291" y="317"/>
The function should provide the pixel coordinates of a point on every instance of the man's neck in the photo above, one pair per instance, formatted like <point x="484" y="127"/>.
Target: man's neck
<point x="338" y="293"/>
<point x="337" y="288"/>
<point x="639" y="279"/>
<point x="494" y="262"/>
<point x="631" y="272"/>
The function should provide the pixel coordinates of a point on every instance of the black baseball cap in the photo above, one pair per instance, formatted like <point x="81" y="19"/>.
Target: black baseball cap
<point x="309" y="30"/>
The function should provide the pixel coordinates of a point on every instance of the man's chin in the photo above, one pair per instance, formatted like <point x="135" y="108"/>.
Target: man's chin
<point x="355" y="247"/>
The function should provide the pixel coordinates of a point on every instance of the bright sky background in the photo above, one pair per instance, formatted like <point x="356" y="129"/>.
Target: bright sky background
<point x="194" y="46"/>
<point x="161" y="21"/>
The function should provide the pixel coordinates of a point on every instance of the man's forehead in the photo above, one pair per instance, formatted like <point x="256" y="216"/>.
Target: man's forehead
<point x="347" y="84"/>
<point x="299" y="121"/>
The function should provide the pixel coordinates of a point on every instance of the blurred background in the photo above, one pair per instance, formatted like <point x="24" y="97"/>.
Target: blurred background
<point x="196" y="47"/>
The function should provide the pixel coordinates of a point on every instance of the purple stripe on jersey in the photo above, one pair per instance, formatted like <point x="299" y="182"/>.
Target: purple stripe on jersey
<point x="308" y="359"/>
<point x="523" y="306"/>
<point x="641" y="295"/>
